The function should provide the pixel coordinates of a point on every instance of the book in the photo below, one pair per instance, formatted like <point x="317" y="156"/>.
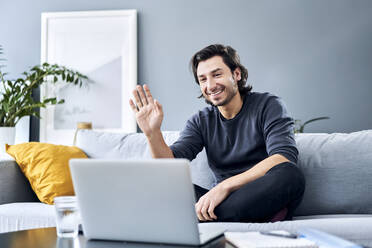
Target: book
<point x="258" y="240"/>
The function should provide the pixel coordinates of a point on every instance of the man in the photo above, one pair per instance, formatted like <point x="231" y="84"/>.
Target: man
<point x="248" y="138"/>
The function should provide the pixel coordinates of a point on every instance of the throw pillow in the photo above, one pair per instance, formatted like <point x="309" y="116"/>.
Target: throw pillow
<point x="46" y="167"/>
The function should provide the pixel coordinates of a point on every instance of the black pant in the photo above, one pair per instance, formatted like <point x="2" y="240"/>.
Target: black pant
<point x="281" y="187"/>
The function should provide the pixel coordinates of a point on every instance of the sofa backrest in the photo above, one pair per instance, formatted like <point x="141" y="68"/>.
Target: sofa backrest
<point x="14" y="186"/>
<point x="337" y="167"/>
<point x="97" y="144"/>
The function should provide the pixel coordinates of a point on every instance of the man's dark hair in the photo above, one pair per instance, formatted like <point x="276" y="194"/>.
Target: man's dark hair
<point x="229" y="56"/>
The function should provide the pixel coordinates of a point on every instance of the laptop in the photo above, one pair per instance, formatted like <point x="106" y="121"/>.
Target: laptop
<point x="138" y="200"/>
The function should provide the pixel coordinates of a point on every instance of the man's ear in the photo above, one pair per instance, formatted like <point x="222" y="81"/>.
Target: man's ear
<point x="237" y="74"/>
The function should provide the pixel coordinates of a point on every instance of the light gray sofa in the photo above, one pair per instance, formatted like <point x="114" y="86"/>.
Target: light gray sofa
<point x="337" y="168"/>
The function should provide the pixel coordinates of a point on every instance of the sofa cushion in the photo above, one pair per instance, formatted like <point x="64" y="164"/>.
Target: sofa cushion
<point x="46" y="167"/>
<point x="338" y="172"/>
<point x="23" y="216"/>
<point x="98" y="144"/>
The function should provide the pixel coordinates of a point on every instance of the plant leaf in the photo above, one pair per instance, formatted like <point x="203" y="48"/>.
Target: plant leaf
<point x="16" y="100"/>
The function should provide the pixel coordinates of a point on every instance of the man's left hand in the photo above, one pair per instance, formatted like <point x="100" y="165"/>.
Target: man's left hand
<point x="208" y="202"/>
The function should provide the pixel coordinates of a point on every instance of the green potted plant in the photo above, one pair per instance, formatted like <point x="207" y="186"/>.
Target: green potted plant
<point x="16" y="99"/>
<point x="299" y="126"/>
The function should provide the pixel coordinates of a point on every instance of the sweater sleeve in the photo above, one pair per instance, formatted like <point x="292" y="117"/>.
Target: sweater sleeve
<point x="278" y="129"/>
<point x="190" y="142"/>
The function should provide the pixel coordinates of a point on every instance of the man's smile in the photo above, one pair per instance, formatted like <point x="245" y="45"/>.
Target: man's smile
<point x="216" y="92"/>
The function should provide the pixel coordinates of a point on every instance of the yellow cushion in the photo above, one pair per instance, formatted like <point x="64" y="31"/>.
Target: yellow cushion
<point x="46" y="167"/>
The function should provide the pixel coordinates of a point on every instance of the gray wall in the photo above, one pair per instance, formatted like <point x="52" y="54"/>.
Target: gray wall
<point x="316" y="55"/>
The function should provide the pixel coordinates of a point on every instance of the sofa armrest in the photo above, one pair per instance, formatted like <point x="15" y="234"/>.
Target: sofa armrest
<point x="14" y="187"/>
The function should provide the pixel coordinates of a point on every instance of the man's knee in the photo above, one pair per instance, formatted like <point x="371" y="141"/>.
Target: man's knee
<point x="287" y="173"/>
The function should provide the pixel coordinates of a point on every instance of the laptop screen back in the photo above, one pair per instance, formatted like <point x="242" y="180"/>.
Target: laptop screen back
<point x="136" y="200"/>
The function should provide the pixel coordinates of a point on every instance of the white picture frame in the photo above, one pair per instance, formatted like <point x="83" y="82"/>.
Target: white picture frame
<point x="103" y="46"/>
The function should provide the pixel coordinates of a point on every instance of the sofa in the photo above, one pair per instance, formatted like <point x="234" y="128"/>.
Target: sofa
<point x="337" y="168"/>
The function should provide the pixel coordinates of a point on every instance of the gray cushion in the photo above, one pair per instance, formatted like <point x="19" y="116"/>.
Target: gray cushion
<point x="338" y="172"/>
<point x="13" y="184"/>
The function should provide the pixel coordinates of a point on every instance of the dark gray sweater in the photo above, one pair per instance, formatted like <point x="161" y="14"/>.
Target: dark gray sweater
<point x="262" y="128"/>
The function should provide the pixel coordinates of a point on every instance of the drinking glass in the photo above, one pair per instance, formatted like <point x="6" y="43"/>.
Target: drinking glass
<point x="67" y="216"/>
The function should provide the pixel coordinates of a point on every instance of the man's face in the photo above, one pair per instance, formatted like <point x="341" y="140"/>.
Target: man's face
<point x="217" y="83"/>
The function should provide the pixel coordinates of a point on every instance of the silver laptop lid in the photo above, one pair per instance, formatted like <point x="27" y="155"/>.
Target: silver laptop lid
<point x="136" y="200"/>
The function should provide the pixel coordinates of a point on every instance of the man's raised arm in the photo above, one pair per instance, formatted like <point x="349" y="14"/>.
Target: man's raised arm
<point x="149" y="115"/>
